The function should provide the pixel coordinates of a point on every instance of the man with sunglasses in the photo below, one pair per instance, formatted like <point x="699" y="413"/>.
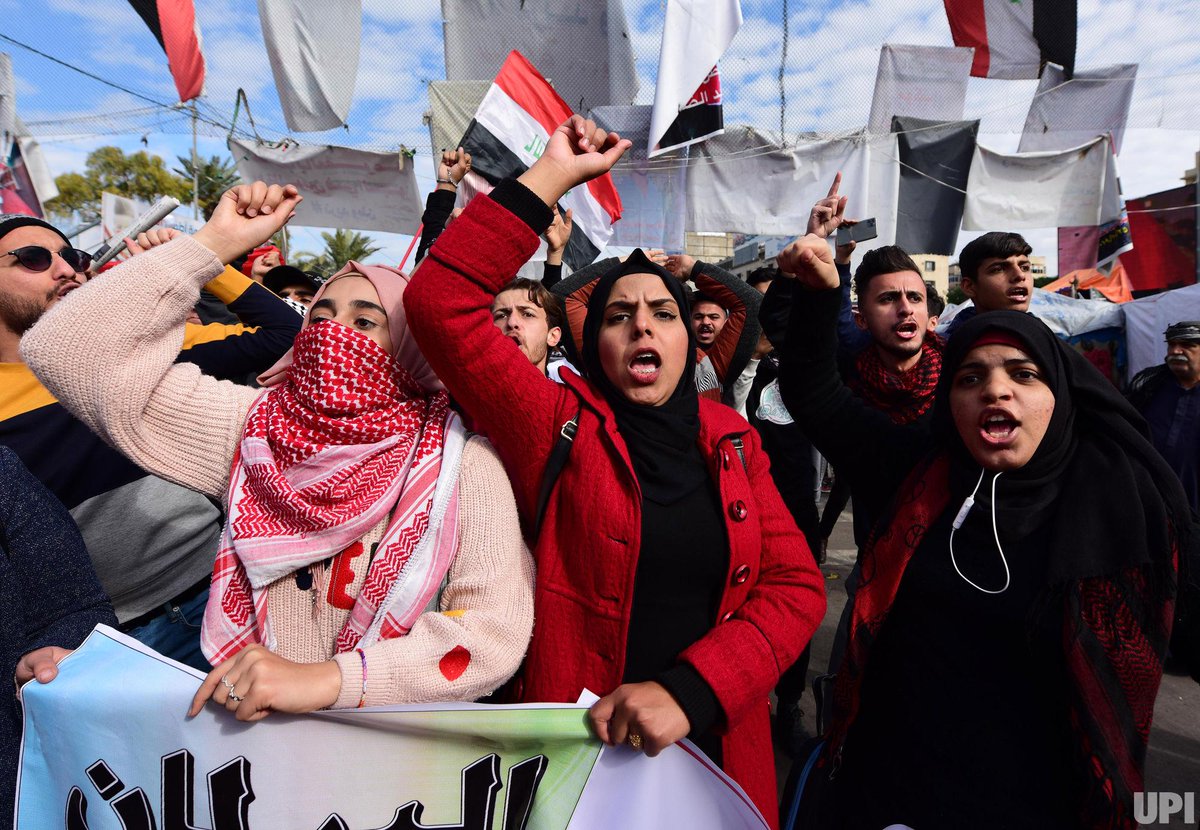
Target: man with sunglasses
<point x="152" y="542"/>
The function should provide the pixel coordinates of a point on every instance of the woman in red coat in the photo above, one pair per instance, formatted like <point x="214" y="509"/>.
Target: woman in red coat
<point x="671" y="579"/>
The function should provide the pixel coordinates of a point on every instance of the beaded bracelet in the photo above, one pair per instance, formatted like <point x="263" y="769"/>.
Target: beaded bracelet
<point x="362" y="701"/>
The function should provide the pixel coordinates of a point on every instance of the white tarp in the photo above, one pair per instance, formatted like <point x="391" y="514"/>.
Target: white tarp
<point x="583" y="47"/>
<point x="35" y="163"/>
<point x="653" y="192"/>
<point x="8" y="107"/>
<point x="452" y="105"/>
<point x="1147" y="319"/>
<point x="313" y="49"/>
<point x="1067" y="113"/>
<point x="342" y="188"/>
<point x="1018" y="191"/>
<point x="928" y="82"/>
<point x="747" y="181"/>
<point x="107" y="745"/>
<point x="1065" y="316"/>
<point x="695" y="35"/>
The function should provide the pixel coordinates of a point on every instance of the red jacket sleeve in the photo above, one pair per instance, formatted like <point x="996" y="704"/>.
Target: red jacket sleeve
<point x="448" y="304"/>
<point x="742" y="657"/>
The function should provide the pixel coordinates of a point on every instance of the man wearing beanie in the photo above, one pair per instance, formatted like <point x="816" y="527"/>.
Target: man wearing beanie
<point x="152" y="542"/>
<point x="1168" y="396"/>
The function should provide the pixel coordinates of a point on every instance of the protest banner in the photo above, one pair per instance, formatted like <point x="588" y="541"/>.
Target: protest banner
<point x="342" y="188"/>
<point x="929" y="82"/>
<point x="107" y="746"/>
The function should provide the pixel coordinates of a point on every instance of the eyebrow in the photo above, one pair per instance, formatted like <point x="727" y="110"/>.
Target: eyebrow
<point x="1012" y="361"/>
<point x="626" y="305"/>
<point x="363" y="305"/>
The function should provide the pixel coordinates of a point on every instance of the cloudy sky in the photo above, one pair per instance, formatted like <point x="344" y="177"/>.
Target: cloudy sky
<point x="829" y="72"/>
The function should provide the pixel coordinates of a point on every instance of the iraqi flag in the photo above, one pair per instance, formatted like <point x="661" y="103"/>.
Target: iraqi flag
<point x="173" y="23"/>
<point x="509" y="132"/>
<point x="1014" y="39"/>
<point x="687" y="94"/>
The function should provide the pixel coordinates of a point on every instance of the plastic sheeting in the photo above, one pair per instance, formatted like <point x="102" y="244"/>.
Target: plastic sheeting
<point x="925" y="81"/>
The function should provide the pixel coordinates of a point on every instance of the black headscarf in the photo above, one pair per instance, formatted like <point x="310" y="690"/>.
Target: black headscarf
<point x="1113" y="500"/>
<point x="661" y="439"/>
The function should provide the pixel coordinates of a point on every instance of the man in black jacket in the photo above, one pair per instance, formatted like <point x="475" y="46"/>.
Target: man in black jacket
<point x="1169" y="398"/>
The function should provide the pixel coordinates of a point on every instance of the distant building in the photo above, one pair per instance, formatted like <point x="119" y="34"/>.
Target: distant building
<point x="709" y="247"/>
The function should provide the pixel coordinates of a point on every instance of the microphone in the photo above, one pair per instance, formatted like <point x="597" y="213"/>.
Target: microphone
<point x="159" y="211"/>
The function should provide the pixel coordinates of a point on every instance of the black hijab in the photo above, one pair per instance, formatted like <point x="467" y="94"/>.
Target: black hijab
<point x="1110" y="501"/>
<point x="661" y="439"/>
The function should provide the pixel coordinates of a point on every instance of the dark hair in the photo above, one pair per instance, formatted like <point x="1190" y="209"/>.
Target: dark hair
<point x="700" y="297"/>
<point x="886" y="260"/>
<point x="760" y="275"/>
<point x="933" y="300"/>
<point x="541" y="297"/>
<point x="1001" y="244"/>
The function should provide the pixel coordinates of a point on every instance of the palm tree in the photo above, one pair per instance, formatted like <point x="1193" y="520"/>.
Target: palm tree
<point x="216" y="176"/>
<point x="341" y="246"/>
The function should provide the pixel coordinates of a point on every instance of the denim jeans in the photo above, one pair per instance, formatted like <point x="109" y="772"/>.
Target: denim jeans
<point x="175" y="632"/>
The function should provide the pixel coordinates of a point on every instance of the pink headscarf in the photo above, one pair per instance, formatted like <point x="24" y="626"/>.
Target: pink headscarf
<point x="389" y="283"/>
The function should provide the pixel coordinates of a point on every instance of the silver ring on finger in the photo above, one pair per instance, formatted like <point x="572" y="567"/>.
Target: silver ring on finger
<point x="236" y="698"/>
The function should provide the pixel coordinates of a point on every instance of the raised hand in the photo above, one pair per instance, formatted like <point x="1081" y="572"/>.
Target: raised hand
<point x="453" y="165"/>
<point x="577" y="152"/>
<point x="809" y="261"/>
<point x="827" y="214"/>
<point x="680" y="265"/>
<point x="150" y="239"/>
<point x="558" y="234"/>
<point x="246" y="217"/>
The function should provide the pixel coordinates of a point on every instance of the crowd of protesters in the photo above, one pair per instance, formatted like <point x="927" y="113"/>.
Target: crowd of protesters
<point x="456" y="484"/>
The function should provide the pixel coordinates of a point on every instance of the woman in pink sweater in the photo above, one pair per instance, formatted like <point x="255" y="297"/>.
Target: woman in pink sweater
<point x="372" y="553"/>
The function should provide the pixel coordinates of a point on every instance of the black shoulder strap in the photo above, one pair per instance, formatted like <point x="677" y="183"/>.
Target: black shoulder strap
<point x="554" y="467"/>
<point x="740" y="448"/>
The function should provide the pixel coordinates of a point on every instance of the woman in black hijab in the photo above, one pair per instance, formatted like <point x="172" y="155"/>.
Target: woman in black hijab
<point x="671" y="579"/>
<point x="1017" y="599"/>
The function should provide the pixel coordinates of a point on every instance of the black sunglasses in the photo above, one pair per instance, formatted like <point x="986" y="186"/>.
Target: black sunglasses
<point x="38" y="258"/>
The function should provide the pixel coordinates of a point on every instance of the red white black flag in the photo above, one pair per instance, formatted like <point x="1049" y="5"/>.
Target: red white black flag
<point x="173" y="23"/>
<point x="1014" y="39"/>
<point x="509" y="133"/>
<point x="687" y="94"/>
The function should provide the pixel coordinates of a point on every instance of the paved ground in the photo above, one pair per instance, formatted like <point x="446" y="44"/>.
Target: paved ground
<point x="1174" y="761"/>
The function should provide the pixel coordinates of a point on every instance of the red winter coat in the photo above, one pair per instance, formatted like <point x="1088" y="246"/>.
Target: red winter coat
<point x="587" y="552"/>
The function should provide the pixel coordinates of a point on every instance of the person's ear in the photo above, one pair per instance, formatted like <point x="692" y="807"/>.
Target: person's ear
<point x="968" y="287"/>
<point x="553" y="336"/>
<point x="859" y="321"/>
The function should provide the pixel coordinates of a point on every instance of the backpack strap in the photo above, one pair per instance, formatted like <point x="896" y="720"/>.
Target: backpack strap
<point x="740" y="448"/>
<point x="554" y="467"/>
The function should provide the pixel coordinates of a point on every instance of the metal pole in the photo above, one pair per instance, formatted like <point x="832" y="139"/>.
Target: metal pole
<point x="195" y="170"/>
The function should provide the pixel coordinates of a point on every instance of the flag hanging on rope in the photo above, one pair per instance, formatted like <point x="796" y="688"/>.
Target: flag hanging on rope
<point x="509" y="132"/>
<point x="1013" y="39"/>
<point x="687" y="94"/>
<point x="174" y="25"/>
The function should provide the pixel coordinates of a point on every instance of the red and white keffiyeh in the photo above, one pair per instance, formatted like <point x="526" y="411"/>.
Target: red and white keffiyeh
<point x="346" y="439"/>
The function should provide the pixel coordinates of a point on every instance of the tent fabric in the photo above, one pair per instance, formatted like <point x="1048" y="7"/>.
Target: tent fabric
<point x="696" y="34"/>
<point x="1067" y="112"/>
<point x="747" y="181"/>
<point x="1114" y="286"/>
<point x="509" y="133"/>
<point x="1018" y="191"/>
<point x="8" y="105"/>
<point x="1146" y="320"/>
<point x="342" y="187"/>
<point x="452" y="105"/>
<point x="583" y="46"/>
<point x="1164" y="234"/>
<point x="314" y="50"/>
<point x="928" y="82"/>
<point x="1013" y="39"/>
<point x="173" y="23"/>
<point x="935" y="160"/>
<point x="652" y="194"/>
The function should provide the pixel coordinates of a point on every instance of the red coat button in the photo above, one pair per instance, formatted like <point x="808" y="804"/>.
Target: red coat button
<point x="724" y="459"/>
<point x="728" y="616"/>
<point x="741" y="574"/>
<point x="738" y="510"/>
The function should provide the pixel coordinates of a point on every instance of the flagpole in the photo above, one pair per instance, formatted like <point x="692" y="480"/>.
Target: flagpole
<point x="195" y="169"/>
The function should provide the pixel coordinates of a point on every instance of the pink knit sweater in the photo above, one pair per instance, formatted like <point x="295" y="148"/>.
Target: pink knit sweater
<point x="107" y="352"/>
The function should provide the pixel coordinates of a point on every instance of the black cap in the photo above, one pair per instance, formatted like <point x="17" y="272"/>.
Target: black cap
<point x="282" y="276"/>
<point x="1187" y="330"/>
<point x="12" y="221"/>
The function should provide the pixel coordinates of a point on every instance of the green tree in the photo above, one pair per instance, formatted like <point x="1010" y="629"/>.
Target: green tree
<point x="216" y="176"/>
<point x="341" y="246"/>
<point x="139" y="175"/>
<point x="955" y="296"/>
